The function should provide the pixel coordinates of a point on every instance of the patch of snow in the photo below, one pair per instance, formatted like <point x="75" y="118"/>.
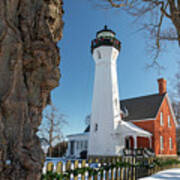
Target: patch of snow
<point x="169" y="174"/>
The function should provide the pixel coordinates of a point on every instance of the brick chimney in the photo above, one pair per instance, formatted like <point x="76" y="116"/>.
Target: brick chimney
<point x="162" y="86"/>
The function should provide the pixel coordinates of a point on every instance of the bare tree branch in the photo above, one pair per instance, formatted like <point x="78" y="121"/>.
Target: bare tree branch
<point x="154" y="13"/>
<point x="51" y="128"/>
<point x="121" y="3"/>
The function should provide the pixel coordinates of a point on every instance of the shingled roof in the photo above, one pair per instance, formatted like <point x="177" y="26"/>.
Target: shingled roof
<point x="140" y="108"/>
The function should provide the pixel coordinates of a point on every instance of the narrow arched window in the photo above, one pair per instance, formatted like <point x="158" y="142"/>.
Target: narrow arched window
<point x="99" y="54"/>
<point x="116" y="103"/>
<point x="96" y="127"/>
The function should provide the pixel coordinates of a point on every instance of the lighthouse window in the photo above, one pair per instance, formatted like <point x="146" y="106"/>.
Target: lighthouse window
<point x="116" y="102"/>
<point x="99" y="55"/>
<point x="96" y="127"/>
<point x="105" y="34"/>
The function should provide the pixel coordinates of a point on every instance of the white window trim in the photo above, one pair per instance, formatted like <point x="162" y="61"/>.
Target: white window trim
<point x="161" y="119"/>
<point x="169" y="121"/>
<point x="161" y="143"/>
<point x="170" y="144"/>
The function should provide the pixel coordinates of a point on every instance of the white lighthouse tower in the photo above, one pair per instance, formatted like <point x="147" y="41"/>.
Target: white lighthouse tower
<point x="105" y="115"/>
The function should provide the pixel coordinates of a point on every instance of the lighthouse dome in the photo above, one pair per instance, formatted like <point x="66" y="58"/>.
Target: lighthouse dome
<point x="105" y="37"/>
<point x="105" y="33"/>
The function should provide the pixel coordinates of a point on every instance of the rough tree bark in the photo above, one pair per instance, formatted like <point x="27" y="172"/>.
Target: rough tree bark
<point x="29" y="59"/>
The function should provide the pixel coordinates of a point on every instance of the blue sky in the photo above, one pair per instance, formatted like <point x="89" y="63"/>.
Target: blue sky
<point x="82" y="20"/>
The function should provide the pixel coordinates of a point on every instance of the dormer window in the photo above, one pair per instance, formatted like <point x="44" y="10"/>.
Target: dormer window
<point x="169" y="121"/>
<point x="161" y="119"/>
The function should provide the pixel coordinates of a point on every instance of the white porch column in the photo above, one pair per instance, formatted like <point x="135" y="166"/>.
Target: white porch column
<point x="75" y="147"/>
<point x="135" y="142"/>
<point x="150" y="141"/>
<point x="68" y="149"/>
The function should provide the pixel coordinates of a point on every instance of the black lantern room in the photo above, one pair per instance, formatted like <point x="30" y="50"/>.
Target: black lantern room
<point x="105" y="37"/>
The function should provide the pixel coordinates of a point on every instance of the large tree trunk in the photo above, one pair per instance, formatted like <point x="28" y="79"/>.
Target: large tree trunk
<point x="29" y="59"/>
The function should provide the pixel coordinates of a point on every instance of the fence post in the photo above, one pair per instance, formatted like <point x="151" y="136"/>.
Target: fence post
<point x="126" y="168"/>
<point x="49" y="166"/>
<point x="134" y="168"/>
<point x="154" y="168"/>
<point x="152" y="171"/>
<point x="122" y="169"/>
<point x="149" y="169"/>
<point x="59" y="167"/>
<point x="116" y="169"/>
<point x="112" y="169"/>
<point x="102" y="173"/>
<point x="130" y="168"/>
<point x="107" y="171"/>
<point x="76" y="163"/>
<point x="83" y="165"/>
<point x="95" y="177"/>
<point x="89" y="175"/>
<point x="68" y="167"/>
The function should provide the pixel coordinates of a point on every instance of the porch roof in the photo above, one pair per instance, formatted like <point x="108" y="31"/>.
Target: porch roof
<point x="78" y="136"/>
<point x="129" y="129"/>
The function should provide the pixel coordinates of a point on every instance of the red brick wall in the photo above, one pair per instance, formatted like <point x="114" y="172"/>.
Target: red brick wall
<point x="157" y="130"/>
<point x="132" y="142"/>
<point x="146" y="125"/>
<point x="143" y="142"/>
<point x="164" y="131"/>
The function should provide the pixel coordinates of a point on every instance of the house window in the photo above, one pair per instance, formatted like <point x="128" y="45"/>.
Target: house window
<point x="96" y="127"/>
<point x="71" y="147"/>
<point x="169" y="121"/>
<point x="77" y="147"/>
<point x="161" y="142"/>
<point x="161" y="118"/>
<point x="81" y="144"/>
<point x="170" y="144"/>
<point x="86" y="144"/>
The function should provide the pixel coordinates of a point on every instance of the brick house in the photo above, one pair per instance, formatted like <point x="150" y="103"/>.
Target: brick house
<point x="152" y="113"/>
